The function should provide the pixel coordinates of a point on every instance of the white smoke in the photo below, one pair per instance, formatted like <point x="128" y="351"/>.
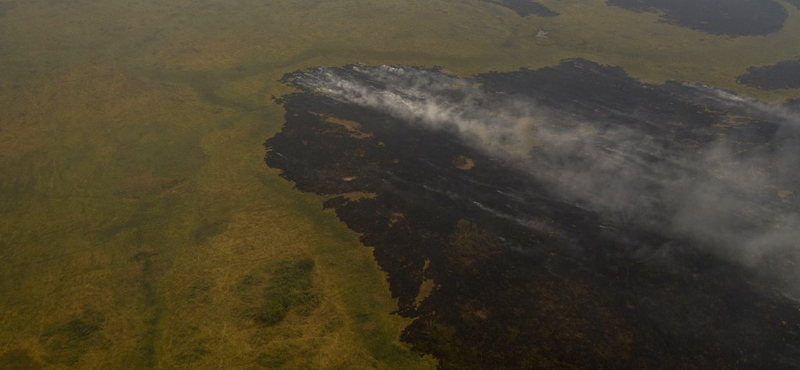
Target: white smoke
<point x="730" y="200"/>
<point x="436" y="101"/>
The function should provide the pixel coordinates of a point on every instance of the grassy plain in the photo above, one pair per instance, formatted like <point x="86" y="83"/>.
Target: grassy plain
<point x="134" y="201"/>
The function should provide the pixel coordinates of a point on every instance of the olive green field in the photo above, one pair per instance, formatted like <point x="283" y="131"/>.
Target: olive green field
<point x="139" y="225"/>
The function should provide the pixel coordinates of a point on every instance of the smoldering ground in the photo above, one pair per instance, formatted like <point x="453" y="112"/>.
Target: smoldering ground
<point x="565" y="215"/>
<point x="694" y="164"/>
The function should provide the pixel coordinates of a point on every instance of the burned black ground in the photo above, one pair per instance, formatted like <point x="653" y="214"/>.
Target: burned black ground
<point x="524" y="277"/>
<point x="525" y="7"/>
<point x="782" y="75"/>
<point x="719" y="17"/>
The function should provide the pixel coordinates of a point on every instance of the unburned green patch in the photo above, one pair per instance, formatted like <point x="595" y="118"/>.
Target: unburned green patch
<point x="199" y="290"/>
<point x="164" y="149"/>
<point x="6" y="6"/>
<point x="271" y="360"/>
<point x="195" y="351"/>
<point x="65" y="343"/>
<point x="286" y="356"/>
<point x="289" y="287"/>
<point x="18" y="359"/>
<point x="206" y="231"/>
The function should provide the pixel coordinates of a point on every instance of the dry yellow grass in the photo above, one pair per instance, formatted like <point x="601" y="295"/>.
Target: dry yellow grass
<point x="131" y="175"/>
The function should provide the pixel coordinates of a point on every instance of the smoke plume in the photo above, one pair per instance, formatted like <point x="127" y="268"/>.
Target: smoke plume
<point x="728" y="188"/>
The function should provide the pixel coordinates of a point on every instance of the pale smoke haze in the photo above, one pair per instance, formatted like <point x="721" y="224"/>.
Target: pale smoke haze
<point x="721" y="196"/>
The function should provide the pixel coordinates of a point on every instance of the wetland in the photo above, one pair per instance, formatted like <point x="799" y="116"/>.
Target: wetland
<point x="140" y="227"/>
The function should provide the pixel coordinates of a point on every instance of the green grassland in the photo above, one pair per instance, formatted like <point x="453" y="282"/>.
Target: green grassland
<point x="139" y="226"/>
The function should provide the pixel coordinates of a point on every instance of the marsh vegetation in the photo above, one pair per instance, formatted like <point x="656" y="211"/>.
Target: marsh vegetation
<point x="133" y="195"/>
